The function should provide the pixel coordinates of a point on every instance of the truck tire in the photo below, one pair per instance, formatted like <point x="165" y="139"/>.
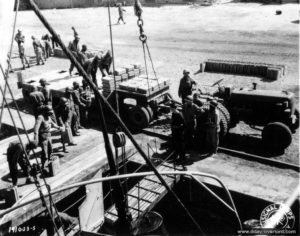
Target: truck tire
<point x="296" y="124"/>
<point x="26" y="95"/>
<point x="276" y="136"/>
<point x="150" y="112"/>
<point x="225" y="112"/>
<point x="139" y="117"/>
<point x="223" y="127"/>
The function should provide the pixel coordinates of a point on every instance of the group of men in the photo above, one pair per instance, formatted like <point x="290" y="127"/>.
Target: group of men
<point x="42" y="50"/>
<point x="196" y="126"/>
<point x="102" y="60"/>
<point x="67" y="117"/>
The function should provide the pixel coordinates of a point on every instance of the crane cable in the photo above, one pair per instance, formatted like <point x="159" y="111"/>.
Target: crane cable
<point x="5" y="75"/>
<point x="27" y="160"/>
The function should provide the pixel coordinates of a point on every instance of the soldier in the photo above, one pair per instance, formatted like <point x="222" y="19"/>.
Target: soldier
<point x="77" y="102"/>
<point x="74" y="123"/>
<point x="189" y="110"/>
<point x="42" y="134"/>
<point x="48" y="48"/>
<point x="120" y="10"/>
<point x="74" y="47"/>
<point x="20" y="39"/>
<point x="15" y="156"/>
<point x="212" y="128"/>
<point x="37" y="101"/>
<point x="86" y="98"/>
<point x="46" y="91"/>
<point x="38" y="50"/>
<point x="177" y="127"/>
<point x="91" y="67"/>
<point x="105" y="63"/>
<point x="185" y="86"/>
<point x="65" y="116"/>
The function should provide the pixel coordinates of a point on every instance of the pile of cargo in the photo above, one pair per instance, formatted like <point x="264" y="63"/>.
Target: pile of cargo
<point x="121" y="74"/>
<point x="268" y="71"/>
<point x="145" y="86"/>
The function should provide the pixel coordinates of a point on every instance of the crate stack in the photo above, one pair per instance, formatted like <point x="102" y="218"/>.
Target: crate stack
<point x="268" y="71"/>
<point x="121" y="74"/>
<point x="143" y="86"/>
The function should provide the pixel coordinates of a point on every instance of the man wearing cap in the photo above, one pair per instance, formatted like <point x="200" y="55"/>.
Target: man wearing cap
<point x="38" y="50"/>
<point x="42" y="133"/>
<point x="74" y="48"/>
<point x="185" y="86"/>
<point x="77" y="102"/>
<point x="20" y="39"/>
<point x="177" y="127"/>
<point x="16" y="155"/>
<point x="212" y="127"/>
<point x="37" y="101"/>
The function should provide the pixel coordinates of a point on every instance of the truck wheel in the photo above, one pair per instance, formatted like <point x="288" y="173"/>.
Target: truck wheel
<point x="150" y="112"/>
<point x="223" y="126"/>
<point x="276" y="136"/>
<point x="225" y="112"/>
<point x="296" y="124"/>
<point x="139" y="117"/>
<point x="26" y="95"/>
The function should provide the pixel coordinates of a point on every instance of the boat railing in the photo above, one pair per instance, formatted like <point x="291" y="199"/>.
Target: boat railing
<point x="192" y="174"/>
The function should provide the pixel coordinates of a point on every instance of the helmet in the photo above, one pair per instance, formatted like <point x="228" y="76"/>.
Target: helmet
<point x="43" y="81"/>
<point x="48" y="109"/>
<point x="213" y="103"/>
<point x="185" y="72"/>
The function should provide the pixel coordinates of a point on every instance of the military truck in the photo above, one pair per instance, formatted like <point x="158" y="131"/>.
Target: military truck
<point x="273" y="110"/>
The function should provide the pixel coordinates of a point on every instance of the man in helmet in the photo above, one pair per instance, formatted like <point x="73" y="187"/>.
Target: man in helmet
<point x="74" y="124"/>
<point x="177" y="127"/>
<point x="64" y="117"/>
<point x="46" y="91"/>
<point x="37" y="101"/>
<point x="78" y="104"/>
<point x="189" y="110"/>
<point x="212" y="127"/>
<point x="16" y="155"/>
<point x="38" y="50"/>
<point x="20" y="39"/>
<point x="186" y="86"/>
<point x="42" y="133"/>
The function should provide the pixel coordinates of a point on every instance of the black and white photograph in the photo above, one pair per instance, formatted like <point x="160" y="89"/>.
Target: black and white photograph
<point x="149" y="117"/>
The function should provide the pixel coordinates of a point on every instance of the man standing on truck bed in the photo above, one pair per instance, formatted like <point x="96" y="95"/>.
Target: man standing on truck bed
<point x="74" y="48"/>
<point x="186" y="86"/>
<point x="20" y="39"/>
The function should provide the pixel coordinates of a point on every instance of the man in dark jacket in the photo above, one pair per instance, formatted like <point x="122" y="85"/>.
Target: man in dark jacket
<point x="15" y="156"/>
<point x="77" y="102"/>
<point x="37" y="101"/>
<point x="186" y="86"/>
<point x="46" y="92"/>
<point x="177" y="127"/>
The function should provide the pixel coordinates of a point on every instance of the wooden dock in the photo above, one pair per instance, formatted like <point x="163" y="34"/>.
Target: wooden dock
<point x="145" y="194"/>
<point x="81" y="163"/>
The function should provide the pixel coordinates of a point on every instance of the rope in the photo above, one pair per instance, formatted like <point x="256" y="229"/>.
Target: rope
<point x="9" y="55"/>
<point x="27" y="159"/>
<point x="27" y="136"/>
<point x="113" y="59"/>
